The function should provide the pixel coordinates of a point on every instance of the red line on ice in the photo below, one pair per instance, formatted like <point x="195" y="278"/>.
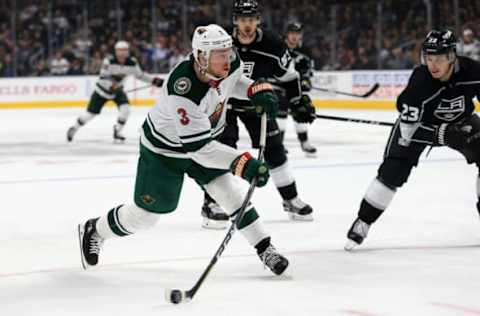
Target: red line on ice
<point x="457" y="308"/>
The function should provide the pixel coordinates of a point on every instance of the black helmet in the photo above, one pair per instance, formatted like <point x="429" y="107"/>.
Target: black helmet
<point x="439" y="42"/>
<point x="294" y="27"/>
<point x="245" y="8"/>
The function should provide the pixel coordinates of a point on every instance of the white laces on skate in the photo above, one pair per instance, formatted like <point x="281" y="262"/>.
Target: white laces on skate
<point x="297" y="203"/>
<point x="270" y="257"/>
<point x="361" y="228"/>
<point x="215" y="208"/>
<point x="95" y="244"/>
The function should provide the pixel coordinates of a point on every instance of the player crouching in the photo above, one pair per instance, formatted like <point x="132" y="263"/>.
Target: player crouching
<point x="178" y="138"/>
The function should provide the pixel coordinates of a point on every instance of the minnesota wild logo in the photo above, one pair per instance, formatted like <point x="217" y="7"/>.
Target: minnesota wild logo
<point x="182" y="85"/>
<point x="215" y="116"/>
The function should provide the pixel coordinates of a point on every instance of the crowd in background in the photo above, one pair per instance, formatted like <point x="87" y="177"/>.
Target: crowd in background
<point x="71" y="37"/>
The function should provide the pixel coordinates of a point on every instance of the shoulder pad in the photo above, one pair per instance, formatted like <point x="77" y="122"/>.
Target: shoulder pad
<point x="183" y="82"/>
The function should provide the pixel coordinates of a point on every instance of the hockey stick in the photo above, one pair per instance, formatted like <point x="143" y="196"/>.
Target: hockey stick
<point x="138" y="88"/>
<point x="365" y="95"/>
<point x="354" y="120"/>
<point x="176" y="296"/>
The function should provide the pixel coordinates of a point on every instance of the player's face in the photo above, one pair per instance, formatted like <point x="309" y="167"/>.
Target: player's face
<point x="121" y="54"/>
<point x="294" y="38"/>
<point x="439" y="66"/>
<point x="219" y="64"/>
<point x="247" y="25"/>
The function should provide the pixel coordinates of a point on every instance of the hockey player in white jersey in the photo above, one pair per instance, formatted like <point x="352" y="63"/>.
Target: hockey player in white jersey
<point x="178" y="138"/>
<point x="109" y="86"/>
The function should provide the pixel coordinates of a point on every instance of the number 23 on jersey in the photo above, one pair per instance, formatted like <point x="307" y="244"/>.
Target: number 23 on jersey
<point x="409" y="113"/>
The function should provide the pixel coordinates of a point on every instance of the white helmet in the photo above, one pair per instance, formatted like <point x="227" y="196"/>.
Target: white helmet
<point x="121" y="45"/>
<point x="207" y="38"/>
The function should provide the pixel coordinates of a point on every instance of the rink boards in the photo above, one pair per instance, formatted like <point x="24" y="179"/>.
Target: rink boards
<point x="74" y="91"/>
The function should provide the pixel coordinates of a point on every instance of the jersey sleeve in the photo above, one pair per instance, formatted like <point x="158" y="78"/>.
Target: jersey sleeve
<point x="409" y="104"/>
<point x="194" y="130"/>
<point x="140" y="74"/>
<point x="241" y="85"/>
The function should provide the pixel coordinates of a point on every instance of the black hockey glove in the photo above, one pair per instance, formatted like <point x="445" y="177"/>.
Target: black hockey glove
<point x="263" y="98"/>
<point x="306" y="85"/>
<point x="303" y="110"/>
<point x="157" y="82"/>
<point x="453" y="135"/>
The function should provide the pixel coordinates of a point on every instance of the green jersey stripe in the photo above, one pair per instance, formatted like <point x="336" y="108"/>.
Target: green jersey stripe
<point x="157" y="142"/>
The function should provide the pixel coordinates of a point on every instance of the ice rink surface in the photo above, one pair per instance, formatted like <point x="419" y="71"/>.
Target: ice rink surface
<point x="421" y="258"/>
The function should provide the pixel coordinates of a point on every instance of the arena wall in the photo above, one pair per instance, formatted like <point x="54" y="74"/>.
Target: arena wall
<point x="59" y="92"/>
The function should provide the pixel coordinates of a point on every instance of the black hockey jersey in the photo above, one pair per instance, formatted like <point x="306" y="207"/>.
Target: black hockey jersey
<point x="303" y="61"/>
<point x="427" y="102"/>
<point x="268" y="57"/>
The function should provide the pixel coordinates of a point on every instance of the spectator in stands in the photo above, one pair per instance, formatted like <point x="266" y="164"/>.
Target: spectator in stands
<point x="469" y="46"/>
<point x="398" y="60"/>
<point x="59" y="65"/>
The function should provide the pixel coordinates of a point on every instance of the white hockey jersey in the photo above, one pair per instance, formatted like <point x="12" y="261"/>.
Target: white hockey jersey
<point x="114" y="72"/>
<point x="189" y="114"/>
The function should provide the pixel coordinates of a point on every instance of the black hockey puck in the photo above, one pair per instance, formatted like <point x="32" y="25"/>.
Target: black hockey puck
<point x="176" y="296"/>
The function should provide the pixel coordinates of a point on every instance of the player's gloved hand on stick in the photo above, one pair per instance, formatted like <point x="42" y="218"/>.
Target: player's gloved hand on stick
<point x="453" y="135"/>
<point x="158" y="82"/>
<point x="303" y="110"/>
<point x="263" y="98"/>
<point x="247" y="167"/>
<point x="306" y="85"/>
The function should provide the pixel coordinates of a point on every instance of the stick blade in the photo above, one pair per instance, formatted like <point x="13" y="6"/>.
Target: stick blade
<point x="174" y="296"/>
<point x="372" y="90"/>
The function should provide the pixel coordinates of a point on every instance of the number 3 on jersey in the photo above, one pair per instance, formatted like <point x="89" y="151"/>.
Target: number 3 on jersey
<point x="409" y="113"/>
<point x="183" y="116"/>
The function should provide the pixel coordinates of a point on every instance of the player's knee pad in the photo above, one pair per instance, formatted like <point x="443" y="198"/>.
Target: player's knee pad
<point x="394" y="172"/>
<point x="274" y="151"/>
<point x="133" y="218"/>
<point x="228" y="191"/>
<point x="301" y="127"/>
<point x="123" y="112"/>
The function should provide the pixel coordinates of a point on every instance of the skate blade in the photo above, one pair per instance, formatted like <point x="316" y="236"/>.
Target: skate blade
<point x="300" y="218"/>
<point x="311" y="155"/>
<point x="216" y="225"/>
<point x="81" y="232"/>
<point x="350" y="245"/>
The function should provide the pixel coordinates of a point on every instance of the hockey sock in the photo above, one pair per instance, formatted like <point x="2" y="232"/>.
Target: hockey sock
<point x="376" y="200"/>
<point x="301" y="129"/>
<point x="84" y="119"/>
<point x="478" y="192"/>
<point x="123" y="114"/>
<point x="251" y="227"/>
<point x="288" y="192"/>
<point x="302" y="137"/>
<point x="284" y="181"/>
<point x="262" y="245"/>
<point x="125" y="220"/>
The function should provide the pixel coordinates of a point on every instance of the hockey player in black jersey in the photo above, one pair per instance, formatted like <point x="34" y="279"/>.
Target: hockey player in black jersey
<point x="265" y="56"/>
<point x="304" y="66"/>
<point x="436" y="109"/>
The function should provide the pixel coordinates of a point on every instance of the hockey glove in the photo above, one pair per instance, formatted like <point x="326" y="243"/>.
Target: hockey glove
<point x="303" y="110"/>
<point x="157" y="82"/>
<point x="453" y="135"/>
<point x="306" y="85"/>
<point x="263" y="98"/>
<point x="247" y="167"/>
